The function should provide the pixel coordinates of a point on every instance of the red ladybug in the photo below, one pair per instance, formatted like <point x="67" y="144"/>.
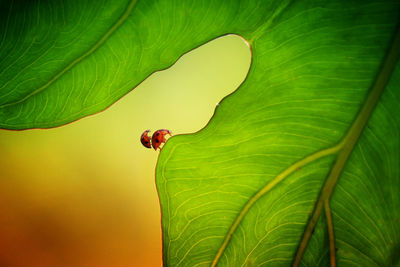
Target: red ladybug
<point x="145" y="139"/>
<point x="156" y="140"/>
<point x="159" y="137"/>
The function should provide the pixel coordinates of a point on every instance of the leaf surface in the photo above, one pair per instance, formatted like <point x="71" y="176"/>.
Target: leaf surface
<point x="253" y="186"/>
<point x="243" y="191"/>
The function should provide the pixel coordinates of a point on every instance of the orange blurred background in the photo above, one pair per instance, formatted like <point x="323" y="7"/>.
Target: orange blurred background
<point x="84" y="194"/>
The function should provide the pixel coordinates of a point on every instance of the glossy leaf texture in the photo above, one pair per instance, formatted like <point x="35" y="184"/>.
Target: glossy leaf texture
<point x="241" y="191"/>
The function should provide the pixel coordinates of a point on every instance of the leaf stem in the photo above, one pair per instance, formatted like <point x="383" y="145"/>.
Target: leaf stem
<point x="351" y="139"/>
<point x="329" y="220"/>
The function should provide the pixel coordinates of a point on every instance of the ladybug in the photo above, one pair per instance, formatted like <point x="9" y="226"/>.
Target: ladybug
<point x="159" y="137"/>
<point x="156" y="140"/>
<point x="145" y="139"/>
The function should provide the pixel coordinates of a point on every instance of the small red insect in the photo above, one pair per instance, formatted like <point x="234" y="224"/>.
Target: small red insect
<point x="157" y="139"/>
<point x="145" y="139"/>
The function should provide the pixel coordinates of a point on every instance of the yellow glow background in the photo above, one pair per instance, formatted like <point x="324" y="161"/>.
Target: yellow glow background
<point x="84" y="194"/>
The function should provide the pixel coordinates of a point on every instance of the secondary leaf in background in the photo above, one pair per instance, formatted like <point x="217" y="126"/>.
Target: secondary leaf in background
<point x="313" y="64"/>
<point x="63" y="60"/>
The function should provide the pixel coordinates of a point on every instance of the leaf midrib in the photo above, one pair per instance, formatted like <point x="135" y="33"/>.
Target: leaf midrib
<point x="352" y="136"/>
<point x="91" y="50"/>
<point x="343" y="150"/>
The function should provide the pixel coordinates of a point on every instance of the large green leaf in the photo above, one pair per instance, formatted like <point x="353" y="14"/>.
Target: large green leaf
<point x="63" y="60"/>
<point x="284" y="170"/>
<point x="250" y="187"/>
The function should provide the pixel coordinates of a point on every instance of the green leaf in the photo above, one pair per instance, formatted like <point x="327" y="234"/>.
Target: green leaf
<point x="63" y="60"/>
<point x="260" y="184"/>
<point x="299" y="166"/>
